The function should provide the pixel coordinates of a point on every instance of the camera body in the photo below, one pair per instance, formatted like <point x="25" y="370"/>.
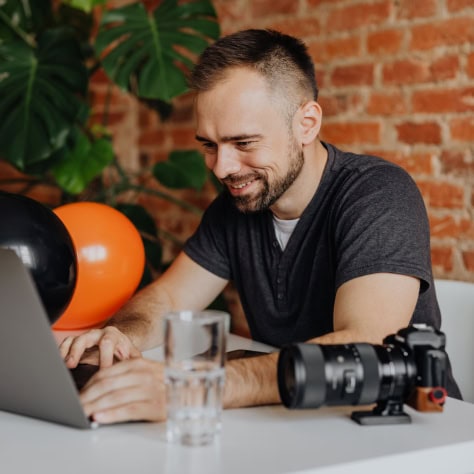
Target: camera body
<point x="409" y="367"/>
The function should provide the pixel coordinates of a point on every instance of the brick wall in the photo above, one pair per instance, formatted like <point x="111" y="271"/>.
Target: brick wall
<point x="396" y="79"/>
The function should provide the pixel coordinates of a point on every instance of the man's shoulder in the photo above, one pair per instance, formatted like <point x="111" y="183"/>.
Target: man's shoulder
<point x="358" y="161"/>
<point x="358" y="170"/>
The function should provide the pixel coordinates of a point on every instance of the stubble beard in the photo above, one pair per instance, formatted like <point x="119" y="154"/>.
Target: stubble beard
<point x="271" y="192"/>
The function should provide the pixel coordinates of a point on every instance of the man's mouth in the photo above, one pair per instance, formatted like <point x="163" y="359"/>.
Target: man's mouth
<point x="241" y="185"/>
<point x="238" y="185"/>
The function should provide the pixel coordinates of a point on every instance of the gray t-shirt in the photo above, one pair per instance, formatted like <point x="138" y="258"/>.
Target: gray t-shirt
<point x="367" y="216"/>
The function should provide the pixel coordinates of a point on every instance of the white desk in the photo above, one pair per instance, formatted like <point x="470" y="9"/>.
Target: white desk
<point x="254" y="440"/>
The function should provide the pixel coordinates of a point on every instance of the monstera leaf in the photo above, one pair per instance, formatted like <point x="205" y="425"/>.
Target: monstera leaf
<point x="83" y="160"/>
<point x="150" y="49"/>
<point x="19" y="18"/>
<point x="183" y="169"/>
<point x="84" y="5"/>
<point x="41" y="88"/>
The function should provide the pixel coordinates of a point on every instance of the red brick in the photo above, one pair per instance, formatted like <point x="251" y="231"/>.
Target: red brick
<point x="358" y="74"/>
<point x="442" y="194"/>
<point x="457" y="162"/>
<point x="298" y="27"/>
<point x="386" y="103"/>
<point x="316" y="3"/>
<point x="408" y="9"/>
<point x="183" y="113"/>
<point x="13" y="181"/>
<point x="442" y="258"/>
<point x="443" y="100"/>
<point x="230" y="11"/>
<point x="339" y="104"/>
<point x="470" y="65"/>
<point x="468" y="259"/>
<point x="321" y="77"/>
<point x="151" y="138"/>
<point x="261" y="8"/>
<point x="445" y="67"/>
<point x="462" y="129"/>
<point x="448" y="226"/>
<point x="355" y="16"/>
<point x="184" y="138"/>
<point x="351" y="133"/>
<point x="429" y="133"/>
<point x="110" y="119"/>
<point x="406" y="72"/>
<point x="413" y="163"/>
<point x="458" y="5"/>
<point x="323" y="51"/>
<point x="99" y="77"/>
<point x="384" y="42"/>
<point x="147" y="118"/>
<point x="443" y="33"/>
<point x="118" y="100"/>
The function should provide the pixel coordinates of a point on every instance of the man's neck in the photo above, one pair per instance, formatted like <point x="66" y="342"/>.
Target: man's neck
<point x="292" y="204"/>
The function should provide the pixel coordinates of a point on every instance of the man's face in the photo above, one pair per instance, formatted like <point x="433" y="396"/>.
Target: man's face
<point x="247" y="141"/>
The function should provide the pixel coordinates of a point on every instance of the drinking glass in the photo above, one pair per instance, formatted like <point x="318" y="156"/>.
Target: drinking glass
<point x="195" y="348"/>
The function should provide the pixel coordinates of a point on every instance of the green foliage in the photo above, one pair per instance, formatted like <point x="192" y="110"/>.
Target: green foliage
<point x="47" y="56"/>
<point x="85" y="160"/>
<point x="41" y="89"/>
<point x="144" y="59"/>
<point x="184" y="169"/>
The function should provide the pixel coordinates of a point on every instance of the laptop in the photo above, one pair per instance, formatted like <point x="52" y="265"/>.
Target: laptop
<point x="35" y="381"/>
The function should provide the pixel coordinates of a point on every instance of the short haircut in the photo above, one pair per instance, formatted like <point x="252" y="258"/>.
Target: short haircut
<point x="281" y="59"/>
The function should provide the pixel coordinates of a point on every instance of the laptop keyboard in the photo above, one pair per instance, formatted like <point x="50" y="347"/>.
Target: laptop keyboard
<point x="82" y="373"/>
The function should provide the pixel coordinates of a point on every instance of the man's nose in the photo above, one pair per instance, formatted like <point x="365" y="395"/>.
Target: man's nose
<point x="227" y="162"/>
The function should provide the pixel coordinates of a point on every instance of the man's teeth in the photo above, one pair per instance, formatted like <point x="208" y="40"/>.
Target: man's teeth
<point x="240" y="186"/>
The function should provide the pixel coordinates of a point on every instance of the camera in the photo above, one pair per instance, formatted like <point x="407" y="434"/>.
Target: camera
<point x="408" y="368"/>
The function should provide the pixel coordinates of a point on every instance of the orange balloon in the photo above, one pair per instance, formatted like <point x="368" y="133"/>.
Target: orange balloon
<point x="110" y="262"/>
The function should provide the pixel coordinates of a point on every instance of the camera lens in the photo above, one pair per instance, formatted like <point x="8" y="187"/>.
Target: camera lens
<point x="310" y="375"/>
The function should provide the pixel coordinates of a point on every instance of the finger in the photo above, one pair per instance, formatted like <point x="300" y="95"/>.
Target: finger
<point x="80" y="344"/>
<point x="114" y="344"/>
<point x="90" y="356"/>
<point x="127" y="373"/>
<point x="106" y="351"/>
<point x="126" y="350"/>
<point x="120" y="396"/>
<point x="124" y="394"/>
<point x="136" y="411"/>
<point x="65" y="346"/>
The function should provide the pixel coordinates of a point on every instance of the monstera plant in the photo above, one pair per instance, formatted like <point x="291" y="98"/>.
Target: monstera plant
<point x="49" y="49"/>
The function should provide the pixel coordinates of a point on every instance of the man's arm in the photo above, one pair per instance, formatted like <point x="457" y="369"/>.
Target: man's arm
<point x="185" y="285"/>
<point x="366" y="309"/>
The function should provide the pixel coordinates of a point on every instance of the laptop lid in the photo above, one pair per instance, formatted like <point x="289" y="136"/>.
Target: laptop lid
<point x="34" y="379"/>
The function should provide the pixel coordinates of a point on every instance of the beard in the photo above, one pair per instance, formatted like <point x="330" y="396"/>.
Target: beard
<point x="271" y="191"/>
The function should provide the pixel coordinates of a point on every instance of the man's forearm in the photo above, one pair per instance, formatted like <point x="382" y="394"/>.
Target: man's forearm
<point x="141" y="318"/>
<point x="251" y="381"/>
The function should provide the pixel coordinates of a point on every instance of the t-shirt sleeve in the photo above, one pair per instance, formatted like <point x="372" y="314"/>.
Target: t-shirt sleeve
<point x="207" y="246"/>
<point x="382" y="227"/>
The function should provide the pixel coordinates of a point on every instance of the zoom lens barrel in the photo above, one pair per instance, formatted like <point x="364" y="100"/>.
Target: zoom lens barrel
<point x="311" y="375"/>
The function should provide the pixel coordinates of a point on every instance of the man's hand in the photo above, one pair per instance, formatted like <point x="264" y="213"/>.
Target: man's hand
<point x="98" y="346"/>
<point x="129" y="390"/>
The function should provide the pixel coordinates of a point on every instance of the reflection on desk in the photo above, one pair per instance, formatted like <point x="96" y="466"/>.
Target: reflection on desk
<point x="254" y="440"/>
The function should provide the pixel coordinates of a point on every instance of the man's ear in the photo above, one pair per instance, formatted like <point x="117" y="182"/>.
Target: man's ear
<point x="309" y="122"/>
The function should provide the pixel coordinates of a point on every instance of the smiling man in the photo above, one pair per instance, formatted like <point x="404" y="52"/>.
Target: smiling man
<point x="322" y="245"/>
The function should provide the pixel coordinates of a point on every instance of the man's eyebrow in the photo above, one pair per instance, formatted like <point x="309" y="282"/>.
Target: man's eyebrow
<point x="234" y="138"/>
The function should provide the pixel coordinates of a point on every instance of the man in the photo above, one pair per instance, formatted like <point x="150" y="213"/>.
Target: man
<point x="322" y="245"/>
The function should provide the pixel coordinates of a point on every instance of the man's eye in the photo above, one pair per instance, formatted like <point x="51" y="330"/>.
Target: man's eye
<point x="208" y="146"/>
<point x="244" y="144"/>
